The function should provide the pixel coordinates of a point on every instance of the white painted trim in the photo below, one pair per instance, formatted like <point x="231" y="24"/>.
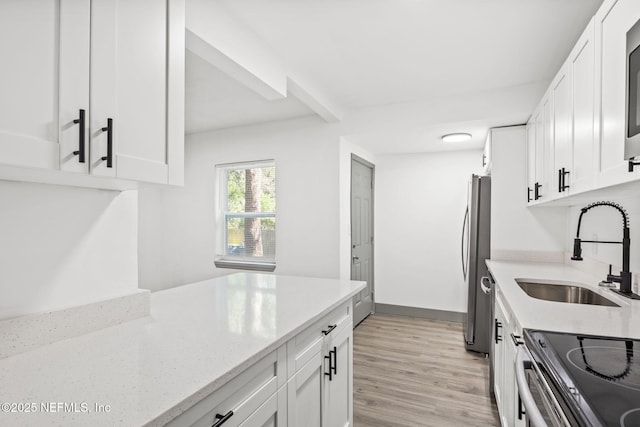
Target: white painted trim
<point x="175" y="90"/>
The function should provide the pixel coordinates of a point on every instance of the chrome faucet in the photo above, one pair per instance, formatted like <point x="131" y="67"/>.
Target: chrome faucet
<point x="624" y="278"/>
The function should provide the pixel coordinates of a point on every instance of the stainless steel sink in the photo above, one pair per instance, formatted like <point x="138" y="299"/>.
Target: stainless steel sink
<point x="562" y="292"/>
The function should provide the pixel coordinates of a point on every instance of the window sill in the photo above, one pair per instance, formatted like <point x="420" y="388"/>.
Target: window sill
<point x="245" y="265"/>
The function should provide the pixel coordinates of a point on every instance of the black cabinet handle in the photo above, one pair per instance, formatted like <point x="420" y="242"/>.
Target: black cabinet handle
<point x="484" y="158"/>
<point x="330" y="373"/>
<point x="80" y="121"/>
<point x="633" y="163"/>
<point x="529" y="190"/>
<point x="562" y="176"/>
<point x="335" y="360"/>
<point x="333" y="363"/>
<point x="560" y="180"/>
<point x="328" y="331"/>
<point x="536" y="191"/>
<point x="109" y="130"/>
<point x="516" y="339"/>
<point x="221" y="419"/>
<point x="497" y="325"/>
<point x="521" y="411"/>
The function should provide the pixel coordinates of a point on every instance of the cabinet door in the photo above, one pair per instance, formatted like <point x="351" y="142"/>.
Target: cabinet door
<point x="612" y="22"/>
<point x="135" y="64"/>
<point x="44" y="49"/>
<point x="486" y="155"/>
<point x="561" y="140"/>
<point x="531" y="158"/>
<point x="582" y="66"/>
<point x="338" y="390"/>
<point x="305" y="389"/>
<point x="543" y="147"/>
<point x="499" y="366"/>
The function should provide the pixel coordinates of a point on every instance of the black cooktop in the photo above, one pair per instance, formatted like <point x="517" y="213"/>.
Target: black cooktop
<point x="597" y="377"/>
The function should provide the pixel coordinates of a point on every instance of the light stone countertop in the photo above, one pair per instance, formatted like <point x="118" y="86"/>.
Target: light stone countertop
<point x="150" y="370"/>
<point x="532" y="313"/>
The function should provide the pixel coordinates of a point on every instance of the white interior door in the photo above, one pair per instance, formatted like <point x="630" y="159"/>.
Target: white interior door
<point x="362" y="236"/>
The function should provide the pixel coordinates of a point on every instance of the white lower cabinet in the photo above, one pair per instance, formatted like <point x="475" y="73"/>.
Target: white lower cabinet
<point x="307" y="382"/>
<point x="321" y="372"/>
<point x="254" y="397"/>
<point x="338" y="392"/>
<point x="505" y="388"/>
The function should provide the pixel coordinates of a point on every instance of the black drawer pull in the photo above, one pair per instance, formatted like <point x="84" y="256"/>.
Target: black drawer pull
<point x="80" y="151"/>
<point x="328" y="331"/>
<point x="221" y="419"/>
<point x="516" y="339"/>
<point x="109" y="130"/>
<point x="497" y="325"/>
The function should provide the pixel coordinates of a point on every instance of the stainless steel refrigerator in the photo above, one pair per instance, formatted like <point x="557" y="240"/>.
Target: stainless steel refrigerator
<point x="476" y="247"/>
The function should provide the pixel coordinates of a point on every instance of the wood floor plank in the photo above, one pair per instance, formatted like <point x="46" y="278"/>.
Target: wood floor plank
<point x="416" y="372"/>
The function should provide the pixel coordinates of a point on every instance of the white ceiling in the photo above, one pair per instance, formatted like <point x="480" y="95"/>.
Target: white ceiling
<point x="408" y="55"/>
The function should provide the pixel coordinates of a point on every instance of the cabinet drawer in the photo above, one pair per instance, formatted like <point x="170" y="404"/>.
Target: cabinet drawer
<point x="243" y="395"/>
<point x="306" y="344"/>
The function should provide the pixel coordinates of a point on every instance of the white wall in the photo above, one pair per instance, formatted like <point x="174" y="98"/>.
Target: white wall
<point x="64" y="246"/>
<point x="604" y="223"/>
<point x="177" y="228"/>
<point x="420" y="204"/>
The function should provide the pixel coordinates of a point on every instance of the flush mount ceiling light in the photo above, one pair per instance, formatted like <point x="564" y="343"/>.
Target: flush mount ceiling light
<point x="456" y="137"/>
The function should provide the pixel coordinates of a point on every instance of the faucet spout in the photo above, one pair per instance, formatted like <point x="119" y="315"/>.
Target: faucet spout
<point x="624" y="278"/>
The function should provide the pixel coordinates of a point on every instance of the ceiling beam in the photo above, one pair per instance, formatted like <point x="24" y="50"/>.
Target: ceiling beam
<point x="229" y="45"/>
<point x="323" y="107"/>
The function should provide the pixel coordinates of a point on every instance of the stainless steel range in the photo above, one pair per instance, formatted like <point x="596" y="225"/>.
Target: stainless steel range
<point x="579" y="380"/>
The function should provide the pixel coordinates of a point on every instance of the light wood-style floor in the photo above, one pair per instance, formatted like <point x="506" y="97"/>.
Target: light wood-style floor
<point x="416" y="372"/>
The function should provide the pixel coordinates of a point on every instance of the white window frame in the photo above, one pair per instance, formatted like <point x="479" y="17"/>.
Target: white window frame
<point x="223" y="260"/>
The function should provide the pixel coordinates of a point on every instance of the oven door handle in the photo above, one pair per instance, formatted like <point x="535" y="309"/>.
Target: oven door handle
<point x="523" y="362"/>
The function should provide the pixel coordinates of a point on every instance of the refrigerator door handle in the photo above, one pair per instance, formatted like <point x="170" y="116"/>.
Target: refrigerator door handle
<point x="462" y="254"/>
<point x="485" y="288"/>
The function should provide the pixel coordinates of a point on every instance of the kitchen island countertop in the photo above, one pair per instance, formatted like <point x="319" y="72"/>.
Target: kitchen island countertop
<point x="148" y="371"/>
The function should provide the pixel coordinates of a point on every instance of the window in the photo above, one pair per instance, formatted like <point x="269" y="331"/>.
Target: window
<point x="247" y="216"/>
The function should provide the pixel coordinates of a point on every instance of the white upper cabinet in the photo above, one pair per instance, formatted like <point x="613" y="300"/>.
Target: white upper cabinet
<point x="584" y="140"/>
<point x="561" y="136"/>
<point x="131" y="66"/>
<point x="43" y="79"/>
<point x="486" y="155"/>
<point x="531" y="157"/>
<point x="612" y="21"/>
<point x="573" y="119"/>
<point x="579" y="124"/>
<point x="94" y="87"/>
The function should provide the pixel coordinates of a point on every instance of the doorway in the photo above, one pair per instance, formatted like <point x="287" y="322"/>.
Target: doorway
<point x="362" y="174"/>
